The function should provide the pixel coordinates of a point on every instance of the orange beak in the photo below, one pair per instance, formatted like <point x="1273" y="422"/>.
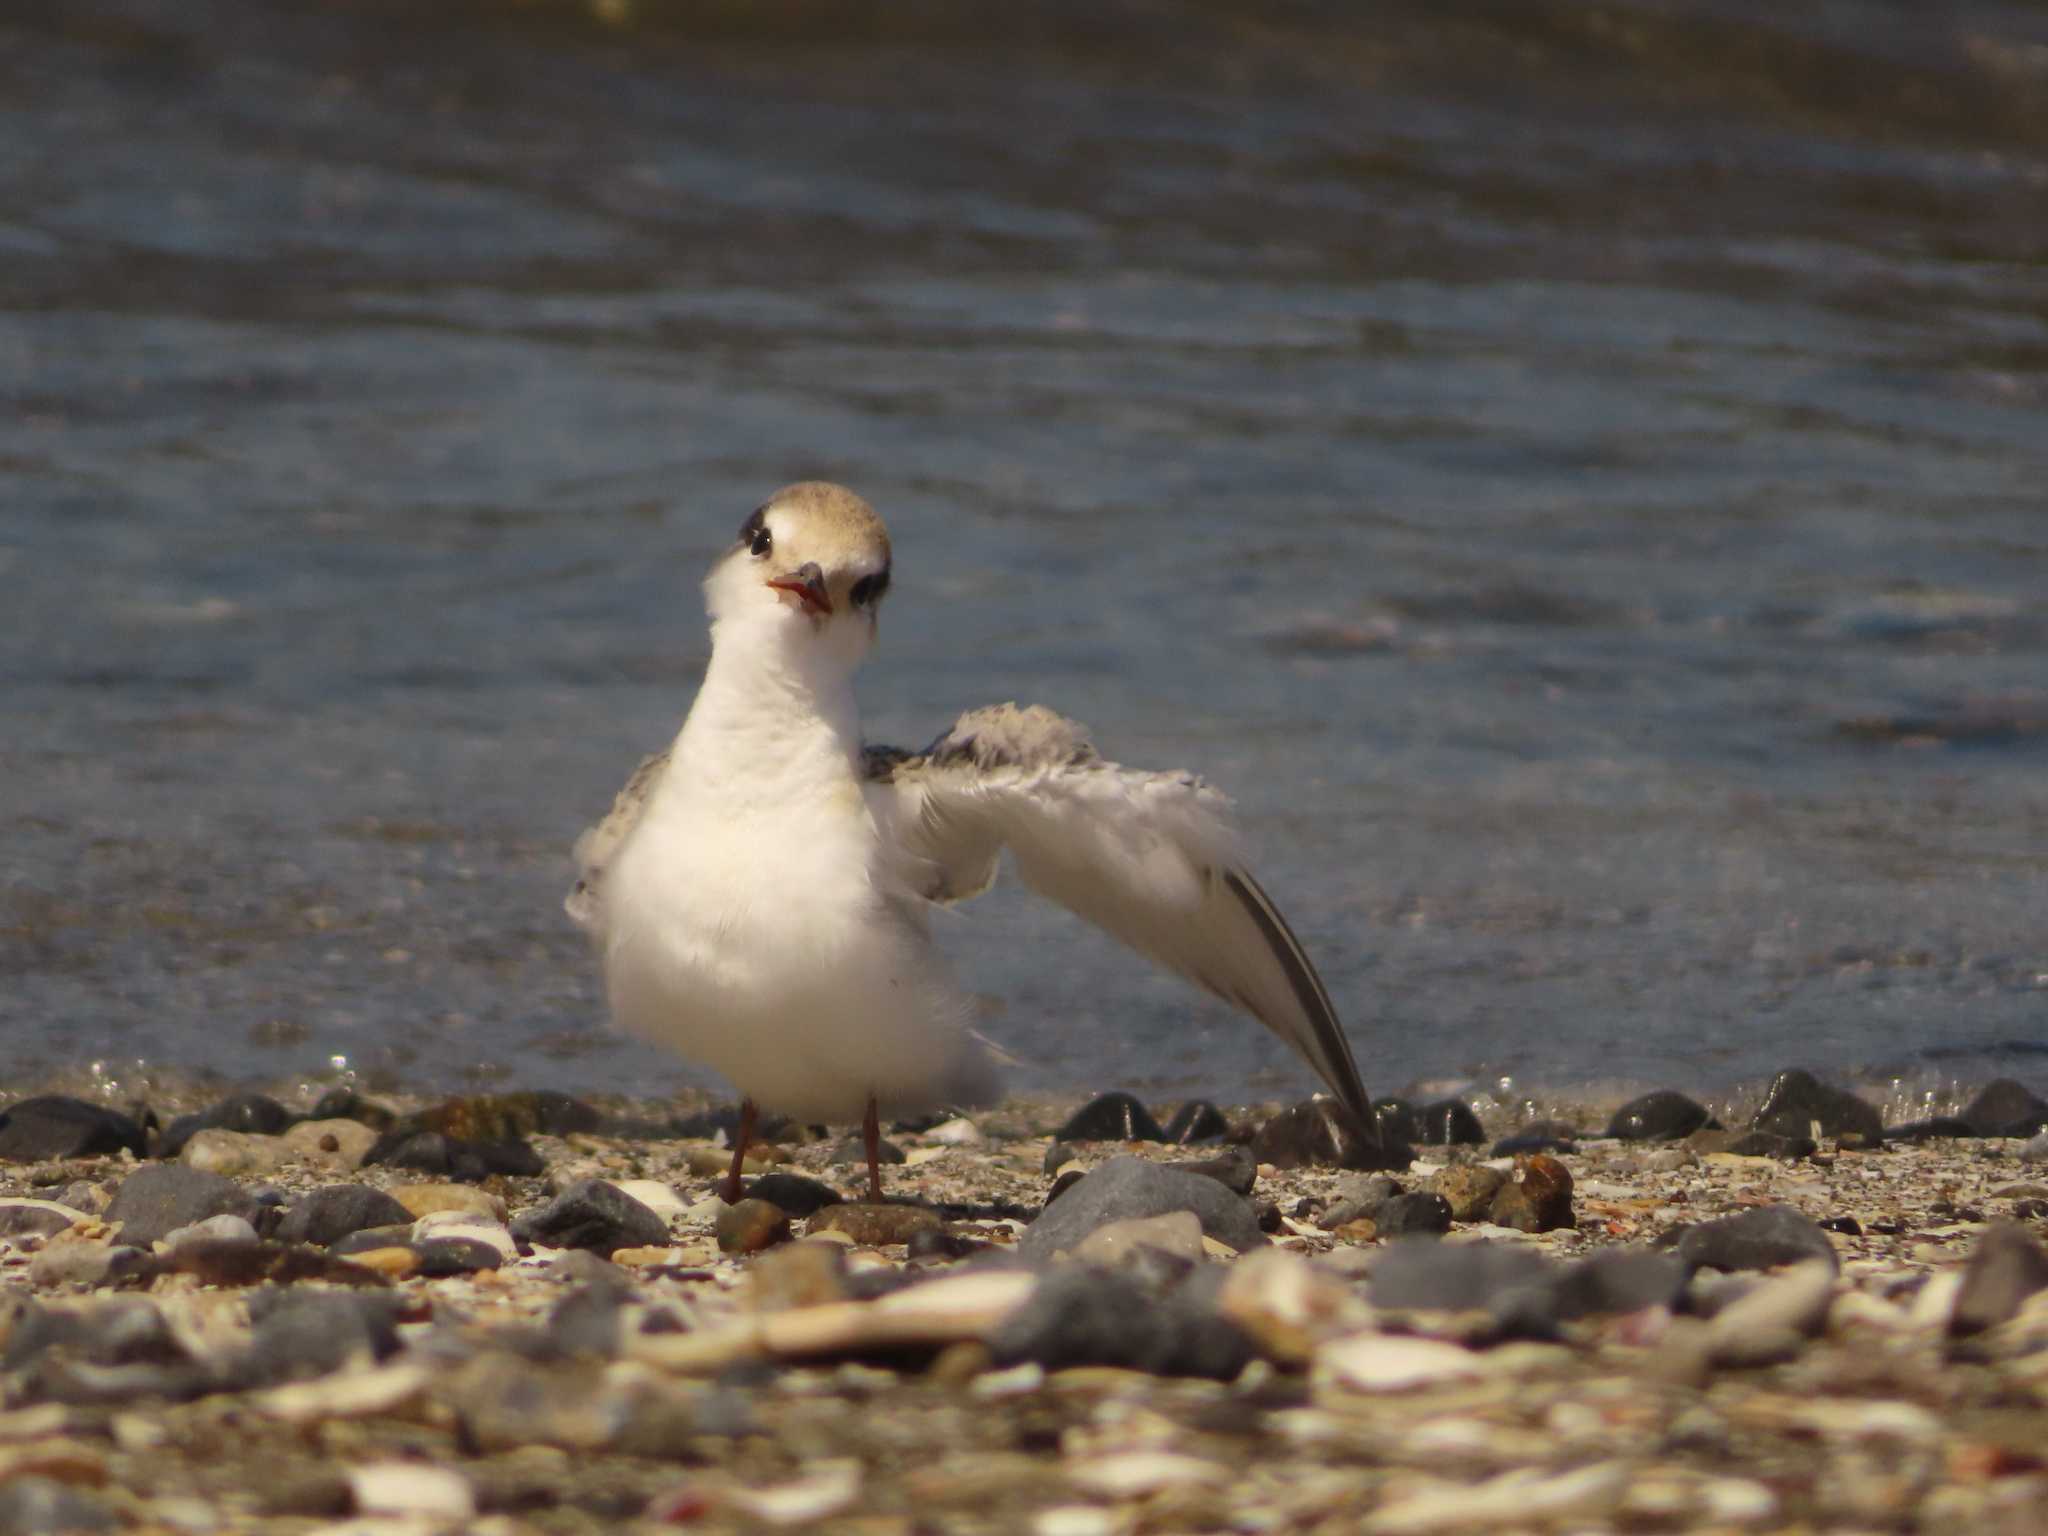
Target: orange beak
<point x="807" y="584"/>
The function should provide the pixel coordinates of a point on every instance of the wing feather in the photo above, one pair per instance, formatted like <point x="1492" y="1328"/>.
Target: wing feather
<point x="601" y="842"/>
<point x="1148" y="857"/>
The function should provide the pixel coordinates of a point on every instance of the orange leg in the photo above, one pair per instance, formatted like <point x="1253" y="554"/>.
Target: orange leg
<point x="871" y="1138"/>
<point x="741" y="1137"/>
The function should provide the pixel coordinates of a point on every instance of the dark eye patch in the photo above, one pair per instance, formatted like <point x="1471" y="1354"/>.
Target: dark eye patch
<point x="754" y="533"/>
<point x="869" y="589"/>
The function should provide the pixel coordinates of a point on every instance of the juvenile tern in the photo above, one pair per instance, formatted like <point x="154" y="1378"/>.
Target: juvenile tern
<point x="759" y="893"/>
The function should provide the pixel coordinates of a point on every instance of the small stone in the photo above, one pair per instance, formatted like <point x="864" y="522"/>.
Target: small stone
<point x="234" y="1154"/>
<point x="1383" y="1362"/>
<point x="1773" y="1322"/>
<point x="1321" y="1133"/>
<point x="1287" y="1306"/>
<point x="486" y="1118"/>
<point x="409" y="1489"/>
<point x="347" y="1104"/>
<point x="806" y="1274"/>
<point x="1450" y="1122"/>
<point x="42" y="1217"/>
<point x="1127" y="1186"/>
<point x="959" y="1132"/>
<point x="1423" y="1275"/>
<point x="302" y="1334"/>
<point x="86" y="1265"/>
<point x="853" y="1152"/>
<point x="55" y="1126"/>
<point x="425" y="1199"/>
<point x="1397" y="1120"/>
<point x="589" y="1321"/>
<point x="1111" y="1117"/>
<point x="1539" y="1136"/>
<point x="227" y="1228"/>
<point x="1413" y="1215"/>
<point x="1797" y="1102"/>
<point x="336" y="1144"/>
<point x="1469" y="1189"/>
<point x="752" y="1225"/>
<point x="796" y="1194"/>
<point x="1665" y="1115"/>
<point x="162" y="1197"/>
<point x="1081" y="1315"/>
<point x="579" y="1266"/>
<point x="2035" y="1150"/>
<point x="469" y="1162"/>
<point x="875" y="1226"/>
<point x="592" y="1214"/>
<point x="1358" y="1200"/>
<point x="2003" y="1107"/>
<point x="658" y="1196"/>
<point x="371" y="1240"/>
<point x="1177" y="1235"/>
<point x="1762" y="1238"/>
<point x="1057" y="1156"/>
<point x="1616" y="1280"/>
<point x="244" y="1113"/>
<point x="443" y="1255"/>
<point x="236" y="1264"/>
<point x="1234" y="1168"/>
<point x="1196" y="1120"/>
<point x="452" y="1225"/>
<point x="2005" y="1268"/>
<point x="325" y="1216"/>
<point x="1536" y="1198"/>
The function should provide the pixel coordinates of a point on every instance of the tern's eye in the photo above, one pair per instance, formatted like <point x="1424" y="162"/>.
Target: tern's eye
<point x="869" y="589"/>
<point x="754" y="533"/>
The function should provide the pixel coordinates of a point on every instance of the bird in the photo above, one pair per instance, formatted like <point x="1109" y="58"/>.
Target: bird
<point x="760" y="894"/>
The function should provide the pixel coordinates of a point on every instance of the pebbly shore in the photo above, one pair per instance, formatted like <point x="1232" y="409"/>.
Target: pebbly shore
<point x="526" y="1313"/>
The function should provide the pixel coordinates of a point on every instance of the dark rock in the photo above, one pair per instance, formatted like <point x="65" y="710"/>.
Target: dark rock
<point x="30" y="1506"/>
<point x="1848" y="1226"/>
<point x="441" y="1256"/>
<point x="370" y="1239"/>
<point x="853" y="1152"/>
<point x="18" y="1216"/>
<point x="1234" y="1168"/>
<point x="1539" y="1136"/>
<point x="749" y="1226"/>
<point x="1088" y="1316"/>
<point x="876" y="1225"/>
<point x="161" y="1197"/>
<point x="301" y="1334"/>
<point x="1414" y="1215"/>
<point x="1359" y="1200"/>
<point x="1797" y="1101"/>
<point x="1761" y="1144"/>
<point x="796" y="1194"/>
<point x="347" y="1104"/>
<point x="1397" y="1121"/>
<point x="589" y="1322"/>
<point x="1450" y="1122"/>
<point x="448" y="1157"/>
<point x="1469" y="1188"/>
<point x="1321" y="1133"/>
<point x="2003" y="1107"/>
<point x="506" y="1117"/>
<point x="1617" y="1280"/>
<point x="1762" y="1238"/>
<point x="2004" y="1269"/>
<point x="254" y="1114"/>
<point x="1665" y="1115"/>
<point x="710" y="1124"/>
<point x="1536" y="1198"/>
<point x="1111" y="1117"/>
<point x="1196" y="1120"/>
<point x="1126" y="1187"/>
<point x="53" y="1126"/>
<point x="1936" y="1128"/>
<point x="595" y="1215"/>
<point x="327" y="1215"/>
<point x="228" y="1262"/>
<point x="1422" y="1274"/>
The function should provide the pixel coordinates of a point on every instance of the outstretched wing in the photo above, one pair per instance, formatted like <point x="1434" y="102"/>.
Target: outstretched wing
<point x="596" y="847"/>
<point x="1149" y="857"/>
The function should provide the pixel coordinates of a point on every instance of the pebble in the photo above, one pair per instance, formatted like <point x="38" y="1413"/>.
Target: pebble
<point x="302" y="1334"/>
<point x="1125" y="1187"/>
<point x="223" y="1228"/>
<point x="1760" y="1238"/>
<point x="1287" y="1305"/>
<point x="1450" y="1122"/>
<point x="324" y="1216"/>
<point x="1413" y="1215"/>
<point x="338" y="1144"/>
<point x="506" y="1117"/>
<point x="407" y="1488"/>
<point x="1772" y="1323"/>
<point x="459" y="1226"/>
<point x="1080" y="1316"/>
<point x="796" y="1194"/>
<point x="1321" y="1133"/>
<point x="418" y="1200"/>
<point x="1195" y="1121"/>
<point x="2005" y="1268"/>
<point x="1176" y="1235"/>
<point x="41" y="1217"/>
<point x="241" y="1113"/>
<point x="1358" y="1200"/>
<point x="54" y="1125"/>
<point x="658" y="1196"/>
<point x="235" y="1154"/>
<point x="852" y="1152"/>
<point x="453" y="1255"/>
<point x="468" y="1162"/>
<point x="2035" y="1150"/>
<point x="591" y="1214"/>
<point x="1384" y="1362"/>
<point x="347" y="1104"/>
<point x="1468" y="1188"/>
<point x="162" y="1197"/>
<point x="1537" y="1197"/>
<point x="1797" y="1102"/>
<point x="86" y="1265"/>
<point x="1234" y="1168"/>
<point x="875" y="1226"/>
<point x="750" y="1226"/>
<point x="1136" y="1474"/>
<point x="2003" y="1107"/>
<point x="1422" y="1274"/>
<point x="805" y="1274"/>
<point x="1111" y="1117"/>
<point x="1516" y="1499"/>
<point x="955" y="1133"/>
<point x="1664" y="1115"/>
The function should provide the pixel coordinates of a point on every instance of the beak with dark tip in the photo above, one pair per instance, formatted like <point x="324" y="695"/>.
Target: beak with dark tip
<point x="807" y="583"/>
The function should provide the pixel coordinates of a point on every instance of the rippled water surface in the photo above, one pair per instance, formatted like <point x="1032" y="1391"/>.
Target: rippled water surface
<point x="1576" y="474"/>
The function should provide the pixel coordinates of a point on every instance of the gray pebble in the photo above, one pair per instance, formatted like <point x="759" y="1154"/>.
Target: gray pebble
<point x="1125" y="1187"/>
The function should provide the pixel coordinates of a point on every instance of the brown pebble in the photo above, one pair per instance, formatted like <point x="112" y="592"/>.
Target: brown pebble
<point x="1537" y="1199"/>
<point x="806" y="1274"/>
<point x="876" y="1226"/>
<point x="392" y="1263"/>
<point x="751" y="1226"/>
<point x="1469" y="1189"/>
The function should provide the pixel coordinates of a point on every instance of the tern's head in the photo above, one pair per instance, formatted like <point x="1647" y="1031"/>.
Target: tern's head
<point x="811" y="564"/>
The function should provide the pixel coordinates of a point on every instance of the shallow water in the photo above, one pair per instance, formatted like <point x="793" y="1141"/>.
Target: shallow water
<point x="1576" y="476"/>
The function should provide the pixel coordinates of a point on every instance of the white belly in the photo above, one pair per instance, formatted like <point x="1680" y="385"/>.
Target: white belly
<point x="763" y="950"/>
